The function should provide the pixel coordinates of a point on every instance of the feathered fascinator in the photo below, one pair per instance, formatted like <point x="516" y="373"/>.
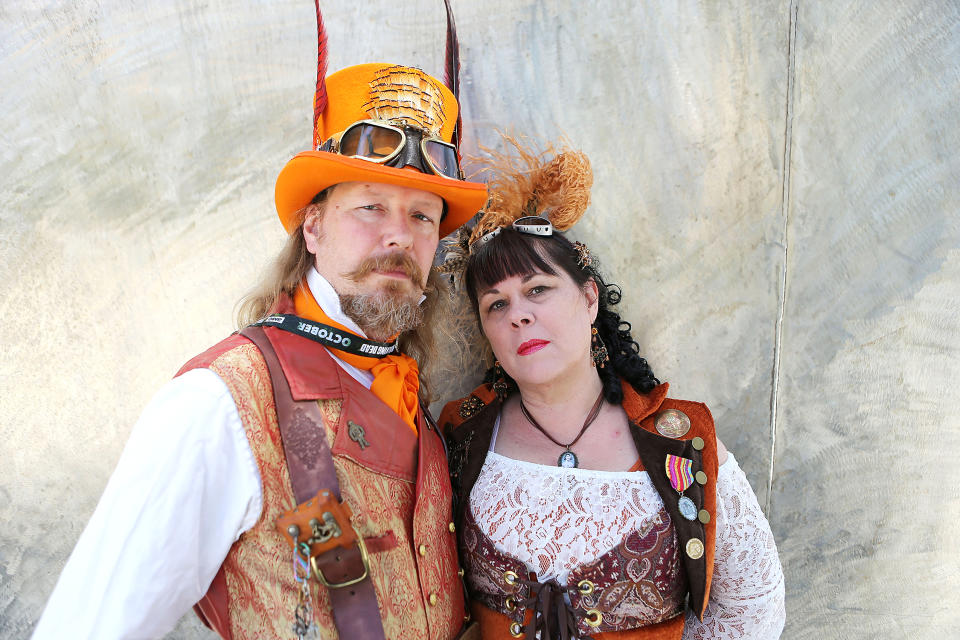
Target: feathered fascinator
<point x="554" y="185"/>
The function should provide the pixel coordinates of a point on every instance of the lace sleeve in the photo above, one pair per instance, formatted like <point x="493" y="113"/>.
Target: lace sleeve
<point x="746" y="596"/>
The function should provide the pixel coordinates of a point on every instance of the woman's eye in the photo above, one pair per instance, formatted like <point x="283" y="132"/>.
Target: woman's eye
<point x="538" y="289"/>
<point x="370" y="207"/>
<point x="496" y="305"/>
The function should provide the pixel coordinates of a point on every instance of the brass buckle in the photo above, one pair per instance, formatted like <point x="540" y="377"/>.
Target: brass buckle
<point x="364" y="558"/>
<point x="320" y="525"/>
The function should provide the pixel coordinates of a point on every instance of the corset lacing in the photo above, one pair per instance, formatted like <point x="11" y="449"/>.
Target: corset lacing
<point x="552" y="616"/>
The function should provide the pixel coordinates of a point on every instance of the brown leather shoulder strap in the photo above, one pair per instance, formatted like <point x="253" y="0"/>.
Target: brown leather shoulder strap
<point x="310" y="463"/>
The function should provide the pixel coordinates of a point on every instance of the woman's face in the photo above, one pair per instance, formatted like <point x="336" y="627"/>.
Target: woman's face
<point x="539" y="325"/>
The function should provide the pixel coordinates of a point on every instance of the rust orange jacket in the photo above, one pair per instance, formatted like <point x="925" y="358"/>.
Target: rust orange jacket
<point x="468" y="424"/>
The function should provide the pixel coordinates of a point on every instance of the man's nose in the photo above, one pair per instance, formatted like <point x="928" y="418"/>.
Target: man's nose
<point x="397" y="231"/>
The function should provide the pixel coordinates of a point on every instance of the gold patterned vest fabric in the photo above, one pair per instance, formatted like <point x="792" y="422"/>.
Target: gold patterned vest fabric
<point x="397" y="487"/>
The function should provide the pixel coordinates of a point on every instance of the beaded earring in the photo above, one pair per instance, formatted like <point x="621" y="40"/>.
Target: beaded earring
<point x="499" y="381"/>
<point x="598" y="351"/>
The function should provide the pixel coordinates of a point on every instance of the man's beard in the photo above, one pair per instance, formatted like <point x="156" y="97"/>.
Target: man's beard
<point x="392" y="309"/>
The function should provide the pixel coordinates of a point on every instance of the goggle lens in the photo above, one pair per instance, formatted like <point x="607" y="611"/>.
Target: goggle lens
<point x="370" y="141"/>
<point x="442" y="157"/>
<point x="381" y="143"/>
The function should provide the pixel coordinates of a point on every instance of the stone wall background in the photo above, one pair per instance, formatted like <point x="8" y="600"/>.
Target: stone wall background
<point x="776" y="188"/>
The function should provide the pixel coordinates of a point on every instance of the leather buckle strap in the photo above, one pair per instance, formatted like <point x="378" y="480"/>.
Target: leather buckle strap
<point x="356" y="614"/>
<point x="322" y="526"/>
<point x="345" y="561"/>
<point x="322" y="523"/>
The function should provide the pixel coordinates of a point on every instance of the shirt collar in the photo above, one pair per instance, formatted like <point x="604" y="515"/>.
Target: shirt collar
<point x="329" y="300"/>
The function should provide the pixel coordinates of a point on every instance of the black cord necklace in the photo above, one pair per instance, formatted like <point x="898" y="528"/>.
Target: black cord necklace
<point x="568" y="458"/>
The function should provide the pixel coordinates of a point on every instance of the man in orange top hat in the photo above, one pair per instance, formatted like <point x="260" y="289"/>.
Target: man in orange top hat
<point x="288" y="481"/>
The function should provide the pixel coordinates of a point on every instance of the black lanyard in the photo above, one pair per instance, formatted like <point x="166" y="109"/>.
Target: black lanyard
<point x="329" y="336"/>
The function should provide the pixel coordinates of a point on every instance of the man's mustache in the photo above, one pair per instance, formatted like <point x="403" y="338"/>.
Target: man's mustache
<point x="396" y="261"/>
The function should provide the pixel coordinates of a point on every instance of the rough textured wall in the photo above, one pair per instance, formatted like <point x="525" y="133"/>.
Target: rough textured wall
<point x="870" y="365"/>
<point x="775" y="189"/>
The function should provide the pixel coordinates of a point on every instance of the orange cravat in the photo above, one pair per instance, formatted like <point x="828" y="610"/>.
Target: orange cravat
<point x="396" y="378"/>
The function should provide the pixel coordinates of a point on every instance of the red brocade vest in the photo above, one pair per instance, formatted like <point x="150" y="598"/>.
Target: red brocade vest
<point x="638" y="590"/>
<point x="397" y="488"/>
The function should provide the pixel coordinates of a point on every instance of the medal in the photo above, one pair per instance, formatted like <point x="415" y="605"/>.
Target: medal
<point x="687" y="509"/>
<point x="680" y="473"/>
<point x="672" y="423"/>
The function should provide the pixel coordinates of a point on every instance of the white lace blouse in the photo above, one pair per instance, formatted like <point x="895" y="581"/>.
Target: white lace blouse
<point x="555" y="519"/>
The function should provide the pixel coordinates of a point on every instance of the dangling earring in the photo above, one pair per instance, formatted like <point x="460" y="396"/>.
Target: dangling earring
<point x="598" y="351"/>
<point x="499" y="381"/>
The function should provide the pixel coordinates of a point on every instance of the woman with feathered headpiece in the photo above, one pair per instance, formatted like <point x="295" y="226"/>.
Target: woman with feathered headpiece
<point x="586" y="500"/>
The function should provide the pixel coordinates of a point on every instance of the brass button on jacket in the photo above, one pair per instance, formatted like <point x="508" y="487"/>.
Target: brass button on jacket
<point x="694" y="548"/>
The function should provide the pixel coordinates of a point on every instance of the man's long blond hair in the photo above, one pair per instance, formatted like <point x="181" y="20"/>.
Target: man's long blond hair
<point x="292" y="265"/>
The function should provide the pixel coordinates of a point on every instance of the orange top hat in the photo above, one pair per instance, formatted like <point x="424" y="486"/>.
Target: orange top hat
<point x="401" y="96"/>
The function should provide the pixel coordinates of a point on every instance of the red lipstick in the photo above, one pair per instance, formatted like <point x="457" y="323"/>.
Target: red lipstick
<point x="531" y="346"/>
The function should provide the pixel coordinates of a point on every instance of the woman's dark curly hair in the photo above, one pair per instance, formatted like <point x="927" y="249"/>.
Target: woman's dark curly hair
<point x="512" y="253"/>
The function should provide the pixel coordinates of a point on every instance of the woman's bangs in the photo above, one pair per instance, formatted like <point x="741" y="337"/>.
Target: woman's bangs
<point x="507" y="255"/>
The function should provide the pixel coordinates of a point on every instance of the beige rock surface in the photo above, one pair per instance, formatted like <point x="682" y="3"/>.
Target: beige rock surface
<point x="776" y="189"/>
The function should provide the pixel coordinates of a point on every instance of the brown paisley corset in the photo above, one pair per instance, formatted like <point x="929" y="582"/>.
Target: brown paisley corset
<point x="637" y="583"/>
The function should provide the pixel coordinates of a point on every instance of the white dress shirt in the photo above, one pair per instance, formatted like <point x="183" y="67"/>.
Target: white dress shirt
<point x="185" y="488"/>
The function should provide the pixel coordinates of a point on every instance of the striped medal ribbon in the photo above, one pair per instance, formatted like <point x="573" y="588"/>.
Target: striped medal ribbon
<point x="680" y="474"/>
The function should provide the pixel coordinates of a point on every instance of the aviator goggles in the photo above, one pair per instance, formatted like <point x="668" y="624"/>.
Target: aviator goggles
<point x="396" y="146"/>
<point x="531" y="225"/>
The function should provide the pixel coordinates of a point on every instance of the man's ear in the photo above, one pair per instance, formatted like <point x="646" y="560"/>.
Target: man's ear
<point x="311" y="228"/>
<point x="592" y="293"/>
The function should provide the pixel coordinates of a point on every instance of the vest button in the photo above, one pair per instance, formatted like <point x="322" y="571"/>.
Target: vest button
<point x="452" y="527"/>
<point x="701" y="477"/>
<point x="433" y="599"/>
<point x="694" y="548"/>
<point x="422" y="549"/>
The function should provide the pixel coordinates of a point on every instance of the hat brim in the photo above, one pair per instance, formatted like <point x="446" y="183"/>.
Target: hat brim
<point x="310" y="172"/>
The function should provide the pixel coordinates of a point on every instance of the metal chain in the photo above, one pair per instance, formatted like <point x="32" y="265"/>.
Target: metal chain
<point x="303" y="626"/>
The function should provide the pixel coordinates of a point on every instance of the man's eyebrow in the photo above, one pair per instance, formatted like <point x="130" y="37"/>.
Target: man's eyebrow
<point x="428" y="206"/>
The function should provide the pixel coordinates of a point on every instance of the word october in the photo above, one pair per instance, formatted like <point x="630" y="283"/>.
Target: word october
<point x="323" y="332"/>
